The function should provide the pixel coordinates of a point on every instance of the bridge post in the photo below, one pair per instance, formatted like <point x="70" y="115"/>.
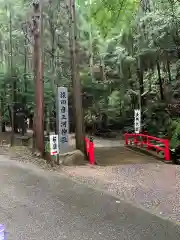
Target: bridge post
<point x="126" y="139"/>
<point x="148" y="142"/>
<point x="166" y="152"/>
<point x="135" y="139"/>
<point x="91" y="151"/>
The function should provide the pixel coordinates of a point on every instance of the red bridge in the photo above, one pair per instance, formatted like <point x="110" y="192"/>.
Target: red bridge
<point x="123" y="155"/>
<point x="149" y="142"/>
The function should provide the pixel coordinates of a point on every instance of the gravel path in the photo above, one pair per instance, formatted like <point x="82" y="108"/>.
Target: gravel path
<point x="38" y="204"/>
<point x="154" y="187"/>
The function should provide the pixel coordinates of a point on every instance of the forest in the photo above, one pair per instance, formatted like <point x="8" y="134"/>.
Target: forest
<point x="128" y="58"/>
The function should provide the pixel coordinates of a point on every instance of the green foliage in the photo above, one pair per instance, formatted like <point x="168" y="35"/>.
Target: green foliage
<point x="156" y="120"/>
<point x="117" y="40"/>
<point x="175" y="140"/>
<point x="112" y="16"/>
<point x="47" y="146"/>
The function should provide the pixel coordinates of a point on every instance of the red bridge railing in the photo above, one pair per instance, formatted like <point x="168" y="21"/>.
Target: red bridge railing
<point x="150" y="142"/>
<point x="90" y="150"/>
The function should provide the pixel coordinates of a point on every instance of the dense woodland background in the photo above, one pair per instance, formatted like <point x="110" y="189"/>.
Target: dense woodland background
<point x="129" y="57"/>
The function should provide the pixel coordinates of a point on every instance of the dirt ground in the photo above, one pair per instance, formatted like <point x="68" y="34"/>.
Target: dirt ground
<point x="5" y="138"/>
<point x="120" y="155"/>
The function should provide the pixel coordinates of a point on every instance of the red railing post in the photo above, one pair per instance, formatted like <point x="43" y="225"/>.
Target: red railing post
<point x="166" y="150"/>
<point x="91" y="152"/>
<point x="135" y="139"/>
<point x="148" y="142"/>
<point x="126" y="138"/>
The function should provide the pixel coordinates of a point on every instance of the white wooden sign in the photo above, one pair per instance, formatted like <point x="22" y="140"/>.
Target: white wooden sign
<point x="63" y="118"/>
<point x="54" y="145"/>
<point x="137" y="120"/>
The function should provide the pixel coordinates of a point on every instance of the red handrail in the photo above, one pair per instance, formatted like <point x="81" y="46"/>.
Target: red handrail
<point x="90" y="150"/>
<point x="147" y="141"/>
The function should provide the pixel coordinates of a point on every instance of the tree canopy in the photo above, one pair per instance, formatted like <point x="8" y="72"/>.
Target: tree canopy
<point x="129" y="57"/>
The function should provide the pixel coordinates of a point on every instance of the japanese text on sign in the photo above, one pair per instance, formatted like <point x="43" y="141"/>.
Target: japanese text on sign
<point x="54" y="145"/>
<point x="137" y="120"/>
<point x="63" y="117"/>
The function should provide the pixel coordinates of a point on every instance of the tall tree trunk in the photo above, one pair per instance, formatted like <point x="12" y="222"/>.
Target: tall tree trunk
<point x="2" y="53"/>
<point x="77" y="93"/>
<point x="160" y="80"/>
<point x="53" y="32"/>
<point x="25" y="71"/>
<point x="129" y="72"/>
<point x="53" y="62"/>
<point x="176" y="38"/>
<point x="38" y="74"/>
<point x="140" y="77"/>
<point x="3" y="94"/>
<point x="168" y="70"/>
<point x="13" y="86"/>
<point x="91" y="55"/>
<point x="3" y="126"/>
<point x="48" y="120"/>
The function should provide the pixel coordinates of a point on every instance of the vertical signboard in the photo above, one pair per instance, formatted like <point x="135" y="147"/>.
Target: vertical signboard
<point x="54" y="145"/>
<point x="137" y="120"/>
<point x="63" y="118"/>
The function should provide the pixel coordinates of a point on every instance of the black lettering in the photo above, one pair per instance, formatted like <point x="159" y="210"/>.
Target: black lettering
<point x="64" y="139"/>
<point x="54" y="146"/>
<point x="63" y="101"/>
<point x="64" y="124"/>
<point x="63" y="117"/>
<point x="62" y="95"/>
<point x="63" y="110"/>
<point x="64" y="131"/>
